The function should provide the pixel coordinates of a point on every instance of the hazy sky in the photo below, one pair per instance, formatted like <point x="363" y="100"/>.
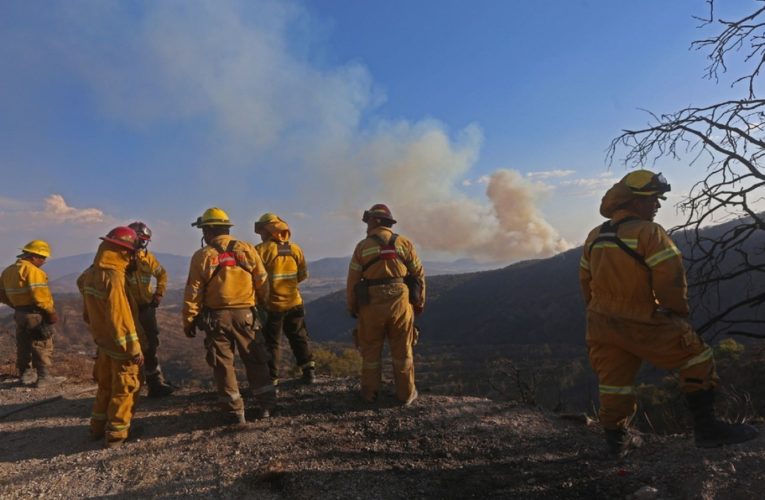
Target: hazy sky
<point x="482" y="124"/>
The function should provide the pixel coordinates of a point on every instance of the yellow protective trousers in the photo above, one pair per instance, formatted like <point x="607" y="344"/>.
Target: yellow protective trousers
<point x="34" y="342"/>
<point x="118" y="384"/>
<point x="228" y="331"/>
<point x="388" y="315"/>
<point x="617" y="348"/>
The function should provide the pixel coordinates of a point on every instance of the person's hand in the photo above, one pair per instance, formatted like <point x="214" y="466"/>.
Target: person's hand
<point x="52" y="318"/>
<point x="138" y="359"/>
<point x="190" y="331"/>
<point x="418" y="308"/>
<point x="155" y="300"/>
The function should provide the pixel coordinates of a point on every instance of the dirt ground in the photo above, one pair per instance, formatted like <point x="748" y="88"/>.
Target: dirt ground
<point x="324" y="442"/>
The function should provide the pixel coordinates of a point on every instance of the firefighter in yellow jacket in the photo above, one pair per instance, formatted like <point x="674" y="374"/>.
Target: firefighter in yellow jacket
<point x="385" y="289"/>
<point x="634" y="285"/>
<point x="145" y="266"/>
<point x="24" y="287"/>
<point x="226" y="282"/>
<point x="108" y="315"/>
<point x="286" y="267"/>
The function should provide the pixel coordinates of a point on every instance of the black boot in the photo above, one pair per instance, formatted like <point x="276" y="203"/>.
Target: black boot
<point x="45" y="379"/>
<point x="309" y="376"/>
<point x="620" y="441"/>
<point x="708" y="431"/>
<point x="159" y="388"/>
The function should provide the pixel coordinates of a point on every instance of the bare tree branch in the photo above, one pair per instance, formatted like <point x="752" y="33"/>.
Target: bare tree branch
<point x="726" y="267"/>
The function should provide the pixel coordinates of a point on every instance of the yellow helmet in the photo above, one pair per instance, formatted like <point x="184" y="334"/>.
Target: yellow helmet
<point x="265" y="219"/>
<point x="37" y="247"/>
<point x="213" y="217"/>
<point x="646" y="183"/>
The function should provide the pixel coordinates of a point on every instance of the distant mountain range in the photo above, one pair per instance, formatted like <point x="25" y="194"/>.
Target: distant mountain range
<point x="326" y="275"/>
<point x="530" y="302"/>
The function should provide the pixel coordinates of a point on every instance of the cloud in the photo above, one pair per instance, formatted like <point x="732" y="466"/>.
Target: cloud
<point x="590" y="186"/>
<point x="241" y="75"/>
<point x="56" y="210"/>
<point x="550" y="174"/>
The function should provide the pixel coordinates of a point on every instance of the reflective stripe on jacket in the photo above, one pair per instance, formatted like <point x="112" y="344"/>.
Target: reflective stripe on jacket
<point x="230" y="288"/>
<point x="614" y="283"/>
<point x="25" y="284"/>
<point x="107" y="308"/>
<point x="139" y="282"/>
<point x="368" y="249"/>
<point x="284" y="274"/>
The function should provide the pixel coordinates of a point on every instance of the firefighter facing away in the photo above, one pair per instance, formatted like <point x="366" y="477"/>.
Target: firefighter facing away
<point x="24" y="287"/>
<point x="634" y="285"/>
<point x="146" y="299"/>
<point x="385" y="289"/>
<point x="286" y="267"/>
<point x="109" y="317"/>
<point x="226" y="282"/>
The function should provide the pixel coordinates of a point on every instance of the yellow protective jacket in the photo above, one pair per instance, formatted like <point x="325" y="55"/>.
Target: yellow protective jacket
<point x="368" y="249"/>
<point x="285" y="263"/>
<point x="615" y="284"/>
<point x="139" y="281"/>
<point x="25" y="284"/>
<point x="107" y="309"/>
<point x="232" y="287"/>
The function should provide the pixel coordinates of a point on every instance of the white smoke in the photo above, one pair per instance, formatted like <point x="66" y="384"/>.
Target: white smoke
<point x="56" y="211"/>
<point x="266" y="108"/>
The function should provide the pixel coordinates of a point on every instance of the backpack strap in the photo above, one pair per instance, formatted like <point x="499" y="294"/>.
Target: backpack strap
<point x="228" y="259"/>
<point x="608" y="233"/>
<point x="387" y="252"/>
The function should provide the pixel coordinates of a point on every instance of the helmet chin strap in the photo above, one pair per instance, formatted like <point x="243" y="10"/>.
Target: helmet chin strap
<point x="202" y="242"/>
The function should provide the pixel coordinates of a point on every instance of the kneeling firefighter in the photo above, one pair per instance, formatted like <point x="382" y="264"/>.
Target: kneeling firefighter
<point x="226" y="277"/>
<point x="634" y="285"/>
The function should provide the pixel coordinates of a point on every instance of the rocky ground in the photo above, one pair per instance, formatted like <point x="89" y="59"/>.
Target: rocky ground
<point x="325" y="443"/>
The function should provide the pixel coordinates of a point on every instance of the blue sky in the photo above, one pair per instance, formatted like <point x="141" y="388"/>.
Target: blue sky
<point x="483" y="124"/>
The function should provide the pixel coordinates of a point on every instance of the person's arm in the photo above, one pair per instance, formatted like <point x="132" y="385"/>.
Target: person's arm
<point x="120" y="316"/>
<point x="354" y="276"/>
<point x="193" y="296"/>
<point x="302" y="265"/>
<point x="160" y="274"/>
<point x="41" y="296"/>
<point x="585" y="275"/>
<point x="259" y="277"/>
<point x="667" y="272"/>
<point x="415" y="269"/>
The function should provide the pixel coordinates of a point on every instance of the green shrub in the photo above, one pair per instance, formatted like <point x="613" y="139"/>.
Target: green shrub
<point x="345" y="364"/>
<point x="728" y="349"/>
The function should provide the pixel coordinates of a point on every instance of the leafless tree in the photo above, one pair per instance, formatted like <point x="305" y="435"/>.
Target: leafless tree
<point x="726" y="139"/>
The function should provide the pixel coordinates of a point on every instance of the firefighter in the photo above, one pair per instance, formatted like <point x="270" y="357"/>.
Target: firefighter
<point x="24" y="287"/>
<point x="286" y="267"/>
<point x="385" y="289"/>
<point x="109" y="317"/>
<point x="226" y="282"/>
<point x="147" y="299"/>
<point x="634" y="285"/>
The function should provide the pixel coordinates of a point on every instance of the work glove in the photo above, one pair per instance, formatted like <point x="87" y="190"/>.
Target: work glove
<point x="418" y="308"/>
<point x="155" y="300"/>
<point x="52" y="318"/>
<point x="138" y="359"/>
<point x="190" y="331"/>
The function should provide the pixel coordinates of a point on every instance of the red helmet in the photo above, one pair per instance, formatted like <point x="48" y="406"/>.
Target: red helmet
<point x="122" y="236"/>
<point x="379" y="211"/>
